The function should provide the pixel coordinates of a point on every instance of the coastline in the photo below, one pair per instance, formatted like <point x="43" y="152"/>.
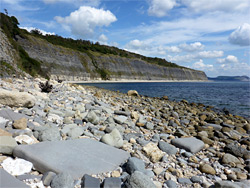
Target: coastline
<point x="131" y="81"/>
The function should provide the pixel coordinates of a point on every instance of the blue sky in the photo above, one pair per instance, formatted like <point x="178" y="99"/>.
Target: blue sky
<point x="208" y="35"/>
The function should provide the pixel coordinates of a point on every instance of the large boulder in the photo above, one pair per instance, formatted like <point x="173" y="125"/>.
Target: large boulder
<point x="133" y="93"/>
<point x="16" y="99"/>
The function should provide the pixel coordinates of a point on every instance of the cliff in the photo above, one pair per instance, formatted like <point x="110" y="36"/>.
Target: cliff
<point x="73" y="60"/>
<point x="67" y="64"/>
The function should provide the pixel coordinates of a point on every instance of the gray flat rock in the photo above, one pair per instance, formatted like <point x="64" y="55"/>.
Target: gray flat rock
<point x="10" y="115"/>
<point x="189" y="144"/>
<point x="7" y="180"/>
<point x="77" y="157"/>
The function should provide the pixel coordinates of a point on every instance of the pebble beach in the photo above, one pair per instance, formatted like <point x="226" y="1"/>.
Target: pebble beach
<point x="154" y="142"/>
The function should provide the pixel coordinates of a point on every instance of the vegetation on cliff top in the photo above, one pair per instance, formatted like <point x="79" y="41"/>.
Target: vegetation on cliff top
<point x="10" y="27"/>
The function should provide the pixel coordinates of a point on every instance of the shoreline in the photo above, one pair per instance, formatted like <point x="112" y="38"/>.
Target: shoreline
<point x="132" y="81"/>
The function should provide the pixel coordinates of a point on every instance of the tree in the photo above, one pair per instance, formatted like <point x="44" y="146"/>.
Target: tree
<point x="6" y="11"/>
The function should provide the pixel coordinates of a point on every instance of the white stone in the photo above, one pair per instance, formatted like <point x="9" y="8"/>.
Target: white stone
<point x="17" y="167"/>
<point x="153" y="152"/>
<point x="17" y="99"/>
<point x="55" y="118"/>
<point x="2" y="120"/>
<point x="25" y="139"/>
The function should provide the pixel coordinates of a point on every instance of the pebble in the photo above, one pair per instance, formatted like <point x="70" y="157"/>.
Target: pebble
<point x="20" y="124"/>
<point x="208" y="169"/>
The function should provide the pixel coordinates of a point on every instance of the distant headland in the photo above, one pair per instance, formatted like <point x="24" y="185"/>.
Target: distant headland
<point x="231" y="78"/>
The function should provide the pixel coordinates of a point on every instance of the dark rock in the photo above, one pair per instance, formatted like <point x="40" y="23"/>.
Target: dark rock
<point x="112" y="183"/>
<point x="189" y="144"/>
<point x="171" y="184"/>
<point x="168" y="148"/>
<point x="62" y="180"/>
<point x="135" y="164"/>
<point x="184" y="181"/>
<point x="124" y="176"/>
<point x="124" y="113"/>
<point x="49" y="134"/>
<point x="48" y="177"/>
<point x="140" y="180"/>
<point x="225" y="184"/>
<point x="196" y="179"/>
<point x="90" y="182"/>
<point x="236" y="150"/>
<point x="142" y="142"/>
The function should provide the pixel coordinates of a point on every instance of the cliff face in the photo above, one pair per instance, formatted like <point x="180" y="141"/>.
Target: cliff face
<point x="67" y="64"/>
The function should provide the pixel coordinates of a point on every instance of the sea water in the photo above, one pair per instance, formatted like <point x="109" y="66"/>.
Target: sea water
<point x="234" y="96"/>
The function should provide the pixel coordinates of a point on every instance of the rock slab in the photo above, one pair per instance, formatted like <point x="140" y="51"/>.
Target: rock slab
<point x="10" y="115"/>
<point x="189" y="144"/>
<point x="9" y="181"/>
<point x="77" y="157"/>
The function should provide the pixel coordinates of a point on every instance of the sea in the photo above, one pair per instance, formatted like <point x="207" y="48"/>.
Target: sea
<point x="234" y="96"/>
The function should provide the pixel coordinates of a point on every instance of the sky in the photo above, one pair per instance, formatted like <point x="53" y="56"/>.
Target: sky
<point x="208" y="35"/>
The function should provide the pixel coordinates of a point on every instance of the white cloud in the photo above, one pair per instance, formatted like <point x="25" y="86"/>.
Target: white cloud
<point x="83" y="21"/>
<point x="217" y="5"/>
<point x="210" y="54"/>
<point x="237" y="69"/>
<point x="103" y="38"/>
<point x="241" y="36"/>
<point x="191" y="57"/>
<point x="228" y="60"/>
<point x="174" y="49"/>
<point x="29" y="29"/>
<point x="196" y="46"/>
<point x="136" y="44"/>
<point x="202" y="66"/>
<point x="160" y="8"/>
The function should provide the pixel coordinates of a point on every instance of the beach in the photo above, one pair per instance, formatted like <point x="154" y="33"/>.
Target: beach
<point x="78" y="133"/>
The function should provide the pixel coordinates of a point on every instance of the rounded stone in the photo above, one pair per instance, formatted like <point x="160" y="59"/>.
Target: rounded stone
<point x="171" y="184"/>
<point x="140" y="180"/>
<point x="206" y="168"/>
<point x="62" y="180"/>
<point x="229" y="159"/>
<point x="20" y="124"/>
